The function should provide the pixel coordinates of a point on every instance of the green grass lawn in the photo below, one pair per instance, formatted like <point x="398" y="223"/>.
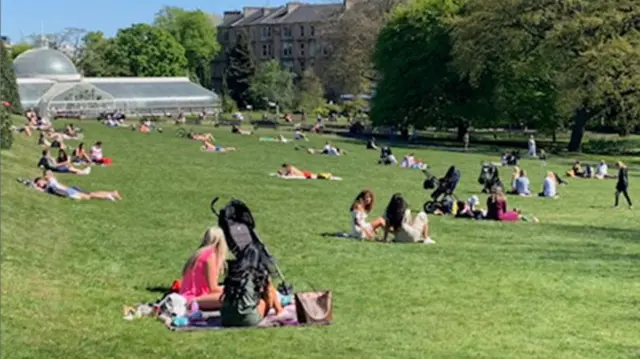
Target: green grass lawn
<point x="565" y="288"/>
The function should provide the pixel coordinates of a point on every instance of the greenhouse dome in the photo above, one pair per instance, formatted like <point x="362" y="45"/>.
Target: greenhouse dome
<point x="48" y="80"/>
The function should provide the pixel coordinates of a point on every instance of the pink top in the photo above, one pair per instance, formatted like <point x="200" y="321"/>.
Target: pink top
<point x="194" y="281"/>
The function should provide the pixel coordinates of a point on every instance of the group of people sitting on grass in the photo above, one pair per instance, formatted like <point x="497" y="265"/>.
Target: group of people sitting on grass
<point x="520" y="184"/>
<point x="397" y="223"/>
<point x="497" y="209"/>
<point x="600" y="171"/>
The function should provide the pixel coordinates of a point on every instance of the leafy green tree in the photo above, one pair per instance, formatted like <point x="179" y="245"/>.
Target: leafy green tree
<point x="310" y="91"/>
<point x="587" y="50"/>
<point x="144" y="50"/>
<point x="8" y="84"/>
<point x="93" y="61"/>
<point x="240" y="70"/>
<point x="196" y="32"/>
<point x="6" y="134"/>
<point x="19" y="48"/>
<point x="418" y="86"/>
<point x="272" y="83"/>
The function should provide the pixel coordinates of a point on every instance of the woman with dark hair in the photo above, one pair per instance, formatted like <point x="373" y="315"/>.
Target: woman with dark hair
<point x="405" y="227"/>
<point x="360" y="208"/>
<point x="80" y="155"/>
<point x="623" y="184"/>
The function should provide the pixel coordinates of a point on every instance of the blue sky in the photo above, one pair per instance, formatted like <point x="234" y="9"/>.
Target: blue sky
<point x="25" y="17"/>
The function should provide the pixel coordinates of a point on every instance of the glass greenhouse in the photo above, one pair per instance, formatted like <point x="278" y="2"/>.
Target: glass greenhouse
<point x="48" y="81"/>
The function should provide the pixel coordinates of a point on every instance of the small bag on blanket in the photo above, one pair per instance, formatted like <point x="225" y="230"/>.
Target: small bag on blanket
<point x="314" y="307"/>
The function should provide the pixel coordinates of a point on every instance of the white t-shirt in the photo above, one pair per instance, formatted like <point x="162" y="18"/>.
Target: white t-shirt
<point x="549" y="187"/>
<point x="602" y="170"/>
<point x="96" y="153"/>
<point x="359" y="224"/>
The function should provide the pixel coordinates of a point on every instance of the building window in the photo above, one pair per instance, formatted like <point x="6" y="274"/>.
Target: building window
<point x="312" y="48"/>
<point x="266" y="50"/>
<point x="301" y="30"/>
<point x="286" y="31"/>
<point x="302" y="65"/>
<point x="287" y="48"/>
<point x="266" y="33"/>
<point x="325" y="50"/>
<point x="225" y="36"/>
<point x="313" y="30"/>
<point x="301" y="49"/>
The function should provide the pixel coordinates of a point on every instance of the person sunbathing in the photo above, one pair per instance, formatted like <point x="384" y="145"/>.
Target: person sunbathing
<point x="79" y="155"/>
<point x="48" y="183"/>
<point x="288" y="170"/>
<point x="210" y="147"/>
<point x="237" y="130"/>
<point x="299" y="136"/>
<point x="602" y="171"/>
<point x="48" y="163"/>
<point x="403" y="225"/>
<point x="360" y="208"/>
<point x="202" y="270"/>
<point x="70" y="130"/>
<point x="200" y="136"/>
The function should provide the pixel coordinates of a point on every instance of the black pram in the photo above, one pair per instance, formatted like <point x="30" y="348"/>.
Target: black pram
<point x="252" y="260"/>
<point x="386" y="157"/>
<point x="444" y="188"/>
<point x="489" y="177"/>
<point x="510" y="159"/>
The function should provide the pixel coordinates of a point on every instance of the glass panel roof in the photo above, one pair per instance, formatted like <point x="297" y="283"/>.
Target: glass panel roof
<point x="132" y="90"/>
<point x="33" y="92"/>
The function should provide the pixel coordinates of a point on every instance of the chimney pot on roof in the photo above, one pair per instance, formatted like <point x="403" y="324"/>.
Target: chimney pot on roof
<point x="348" y="4"/>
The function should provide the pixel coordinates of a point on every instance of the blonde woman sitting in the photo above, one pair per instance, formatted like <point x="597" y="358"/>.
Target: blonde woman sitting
<point x="201" y="271"/>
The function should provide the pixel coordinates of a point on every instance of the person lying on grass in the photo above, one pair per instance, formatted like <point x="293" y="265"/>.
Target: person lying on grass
<point x="79" y="155"/>
<point x="410" y="161"/>
<point x="48" y="163"/>
<point x="403" y="225"/>
<point x="360" y="208"/>
<point x="49" y="184"/>
<point x="202" y="270"/>
<point x="237" y="130"/>
<point x="210" y="147"/>
<point x="200" y="136"/>
<point x="70" y="130"/>
<point x="51" y="134"/>
<point x="497" y="209"/>
<point x="288" y="170"/>
<point x="300" y="136"/>
<point x="43" y="141"/>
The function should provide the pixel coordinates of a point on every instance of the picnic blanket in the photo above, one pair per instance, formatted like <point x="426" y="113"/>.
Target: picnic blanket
<point x="211" y="321"/>
<point x="274" y="139"/>
<point x="315" y="177"/>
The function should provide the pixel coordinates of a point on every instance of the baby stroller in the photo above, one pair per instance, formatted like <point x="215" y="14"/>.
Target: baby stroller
<point x="443" y="195"/>
<point x="510" y="159"/>
<point x="252" y="260"/>
<point x="489" y="177"/>
<point x="386" y="157"/>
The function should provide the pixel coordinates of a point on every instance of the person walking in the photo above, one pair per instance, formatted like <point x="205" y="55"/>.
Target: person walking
<point x="623" y="184"/>
<point x="465" y="139"/>
<point x="532" y="146"/>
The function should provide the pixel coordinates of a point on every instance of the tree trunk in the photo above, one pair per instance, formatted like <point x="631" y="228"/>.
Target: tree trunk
<point x="554" y="137"/>
<point x="580" y="119"/>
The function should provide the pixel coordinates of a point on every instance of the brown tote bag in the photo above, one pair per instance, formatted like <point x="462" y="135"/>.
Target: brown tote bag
<point x="314" y="307"/>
